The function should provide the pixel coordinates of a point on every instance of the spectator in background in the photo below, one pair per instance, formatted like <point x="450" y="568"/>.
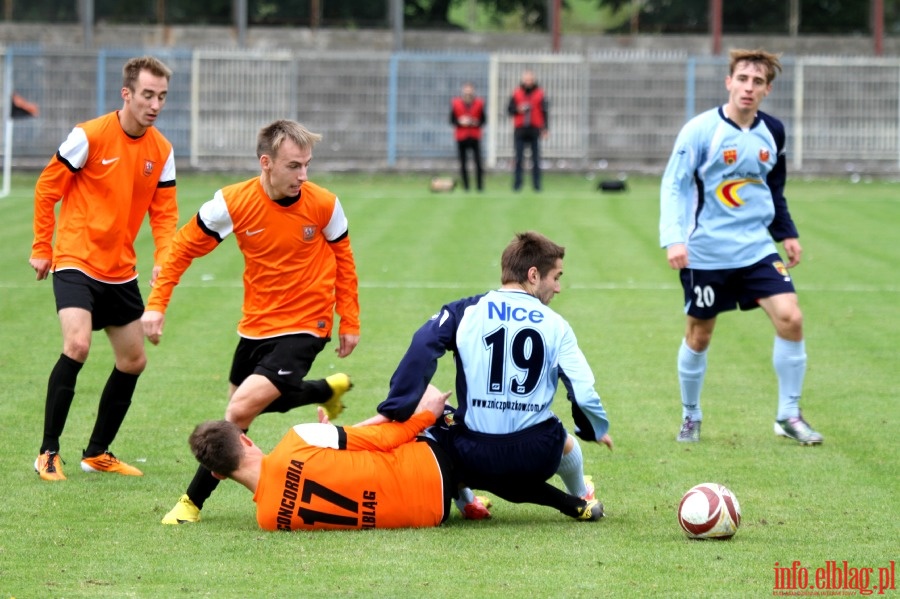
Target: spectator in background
<point x="467" y="116"/>
<point x="528" y="109"/>
<point x="110" y="173"/>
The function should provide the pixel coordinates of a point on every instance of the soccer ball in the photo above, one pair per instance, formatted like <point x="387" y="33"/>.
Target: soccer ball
<point x="709" y="511"/>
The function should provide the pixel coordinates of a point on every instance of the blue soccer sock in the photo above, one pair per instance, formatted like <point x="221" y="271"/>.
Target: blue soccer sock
<point x="466" y="496"/>
<point x="789" y="359"/>
<point x="571" y="470"/>
<point x="691" y="372"/>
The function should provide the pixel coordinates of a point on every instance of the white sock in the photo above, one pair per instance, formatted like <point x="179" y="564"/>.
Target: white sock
<point x="691" y="372"/>
<point x="789" y="359"/>
<point x="571" y="470"/>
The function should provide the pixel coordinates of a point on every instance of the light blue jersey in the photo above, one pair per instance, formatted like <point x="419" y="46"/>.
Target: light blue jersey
<point x="722" y="193"/>
<point x="510" y="350"/>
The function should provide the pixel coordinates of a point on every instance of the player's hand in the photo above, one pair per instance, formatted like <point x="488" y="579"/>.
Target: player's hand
<point x="152" y="322"/>
<point x="41" y="267"/>
<point x="347" y="344"/>
<point x="154" y="274"/>
<point x="323" y="417"/>
<point x="793" y="250"/>
<point x="677" y="256"/>
<point x="433" y="401"/>
<point x="376" y="419"/>
<point x="606" y="440"/>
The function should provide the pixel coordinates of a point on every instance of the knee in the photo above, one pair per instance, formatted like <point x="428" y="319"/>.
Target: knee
<point x="77" y="349"/>
<point x="134" y="365"/>
<point x="790" y="325"/>
<point x="132" y="362"/>
<point x="240" y="413"/>
<point x="698" y="339"/>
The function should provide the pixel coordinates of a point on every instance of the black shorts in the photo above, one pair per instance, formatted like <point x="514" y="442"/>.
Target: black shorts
<point x="710" y="292"/>
<point x="284" y="360"/>
<point x="526" y="456"/>
<point x="110" y="304"/>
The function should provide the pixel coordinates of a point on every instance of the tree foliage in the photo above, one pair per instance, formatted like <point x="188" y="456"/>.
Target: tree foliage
<point x="759" y="16"/>
<point x="840" y="17"/>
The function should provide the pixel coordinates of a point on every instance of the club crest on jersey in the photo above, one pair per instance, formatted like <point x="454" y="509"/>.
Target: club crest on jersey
<point x="148" y="168"/>
<point x="729" y="192"/>
<point x="763" y="155"/>
<point x="729" y="156"/>
<point x="309" y="232"/>
<point x="782" y="269"/>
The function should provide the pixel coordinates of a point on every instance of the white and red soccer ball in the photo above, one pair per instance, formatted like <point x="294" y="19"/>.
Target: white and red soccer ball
<point x="709" y="511"/>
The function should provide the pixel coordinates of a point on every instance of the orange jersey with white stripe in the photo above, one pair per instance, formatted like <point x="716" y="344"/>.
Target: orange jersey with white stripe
<point x="298" y="263"/>
<point x="323" y="477"/>
<point x="108" y="182"/>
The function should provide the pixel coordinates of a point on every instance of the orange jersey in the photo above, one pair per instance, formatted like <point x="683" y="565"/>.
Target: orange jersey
<point x="324" y="477"/>
<point x="298" y="263"/>
<point x="108" y="182"/>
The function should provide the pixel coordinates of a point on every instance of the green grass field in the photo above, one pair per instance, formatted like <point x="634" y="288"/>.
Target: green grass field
<point x="99" y="535"/>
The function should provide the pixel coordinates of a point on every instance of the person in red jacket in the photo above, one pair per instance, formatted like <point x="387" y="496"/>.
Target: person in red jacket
<point x="326" y="477"/>
<point x="528" y="109"/>
<point x="467" y="116"/>
<point x="110" y="173"/>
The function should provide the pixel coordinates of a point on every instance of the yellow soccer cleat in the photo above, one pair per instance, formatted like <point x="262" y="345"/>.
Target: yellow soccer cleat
<point x="339" y="383"/>
<point x="184" y="511"/>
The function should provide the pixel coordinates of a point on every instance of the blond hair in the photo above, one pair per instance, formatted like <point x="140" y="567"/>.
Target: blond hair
<point x="273" y="135"/>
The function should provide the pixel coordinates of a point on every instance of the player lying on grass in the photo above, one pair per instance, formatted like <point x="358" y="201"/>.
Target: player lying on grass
<point x="326" y="477"/>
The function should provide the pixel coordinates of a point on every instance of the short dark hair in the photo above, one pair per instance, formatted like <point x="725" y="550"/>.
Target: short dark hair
<point x="526" y="250"/>
<point x="217" y="446"/>
<point x="273" y="135"/>
<point x="132" y="70"/>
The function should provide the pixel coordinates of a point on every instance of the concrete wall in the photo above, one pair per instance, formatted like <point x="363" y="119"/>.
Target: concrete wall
<point x="383" y="40"/>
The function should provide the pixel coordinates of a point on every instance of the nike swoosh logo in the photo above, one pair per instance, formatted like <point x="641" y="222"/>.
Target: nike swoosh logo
<point x="106" y="161"/>
<point x="284" y="372"/>
<point x="251" y="233"/>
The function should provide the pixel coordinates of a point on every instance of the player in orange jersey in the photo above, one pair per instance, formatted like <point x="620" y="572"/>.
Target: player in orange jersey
<point x="110" y="173"/>
<point x="326" y="477"/>
<point x="298" y="270"/>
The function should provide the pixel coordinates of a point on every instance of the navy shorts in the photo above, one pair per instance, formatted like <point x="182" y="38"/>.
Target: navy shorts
<point x="710" y="292"/>
<point x="284" y="360"/>
<point x="526" y="456"/>
<point x="110" y="304"/>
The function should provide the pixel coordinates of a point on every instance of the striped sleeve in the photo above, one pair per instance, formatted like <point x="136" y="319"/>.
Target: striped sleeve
<point x="52" y="185"/>
<point x="163" y="211"/>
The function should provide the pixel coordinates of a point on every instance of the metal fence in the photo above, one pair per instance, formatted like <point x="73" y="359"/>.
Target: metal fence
<point x="391" y="110"/>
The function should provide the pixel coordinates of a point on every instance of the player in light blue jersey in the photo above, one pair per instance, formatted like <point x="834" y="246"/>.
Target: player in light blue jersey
<point x="722" y="209"/>
<point x="511" y="350"/>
